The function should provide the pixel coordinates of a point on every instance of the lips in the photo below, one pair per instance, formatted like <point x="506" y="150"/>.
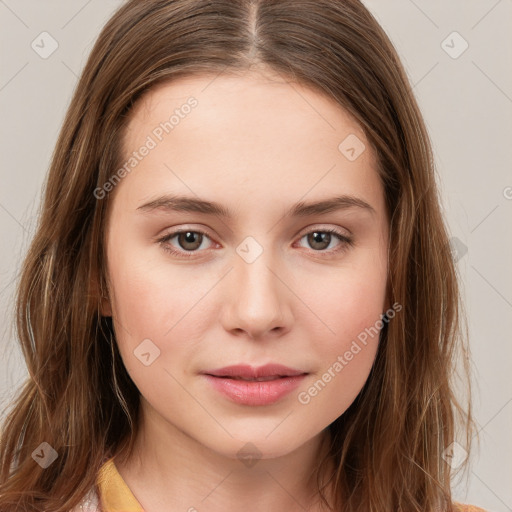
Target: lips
<point x="261" y="373"/>
<point x="247" y="385"/>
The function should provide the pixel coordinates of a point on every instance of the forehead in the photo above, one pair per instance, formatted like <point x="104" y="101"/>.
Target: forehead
<point x="250" y="105"/>
<point x="252" y="133"/>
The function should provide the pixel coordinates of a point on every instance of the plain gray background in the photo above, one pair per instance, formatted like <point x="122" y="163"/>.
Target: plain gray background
<point x="458" y="56"/>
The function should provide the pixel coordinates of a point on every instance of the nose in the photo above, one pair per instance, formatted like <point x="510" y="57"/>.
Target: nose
<point x="257" y="299"/>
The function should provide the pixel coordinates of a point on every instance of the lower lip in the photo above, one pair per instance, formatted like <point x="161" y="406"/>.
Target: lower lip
<point x="255" y="392"/>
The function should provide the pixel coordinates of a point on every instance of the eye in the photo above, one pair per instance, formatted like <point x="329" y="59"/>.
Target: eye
<point x="190" y="241"/>
<point x="320" y="239"/>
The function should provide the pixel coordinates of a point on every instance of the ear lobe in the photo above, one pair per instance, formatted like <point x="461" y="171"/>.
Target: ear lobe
<point x="104" y="302"/>
<point x="105" y="307"/>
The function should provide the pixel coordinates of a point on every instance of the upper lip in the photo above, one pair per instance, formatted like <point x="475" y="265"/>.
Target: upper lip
<point x="255" y="372"/>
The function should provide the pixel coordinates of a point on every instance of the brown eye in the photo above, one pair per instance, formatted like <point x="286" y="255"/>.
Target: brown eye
<point x="320" y="240"/>
<point x="189" y="240"/>
<point x="188" y="243"/>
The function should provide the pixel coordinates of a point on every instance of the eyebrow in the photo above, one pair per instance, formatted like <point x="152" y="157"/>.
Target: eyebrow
<point x="176" y="203"/>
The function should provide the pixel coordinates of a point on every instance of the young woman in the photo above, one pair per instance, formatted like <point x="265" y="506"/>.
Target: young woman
<point x="241" y="294"/>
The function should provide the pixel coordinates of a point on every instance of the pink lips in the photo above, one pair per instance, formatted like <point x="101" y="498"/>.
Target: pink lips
<point x="249" y="385"/>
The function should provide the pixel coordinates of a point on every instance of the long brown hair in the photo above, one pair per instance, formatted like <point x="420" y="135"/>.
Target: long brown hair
<point x="389" y="445"/>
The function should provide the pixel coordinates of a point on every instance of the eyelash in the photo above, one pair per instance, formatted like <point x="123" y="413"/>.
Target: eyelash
<point x="347" y="242"/>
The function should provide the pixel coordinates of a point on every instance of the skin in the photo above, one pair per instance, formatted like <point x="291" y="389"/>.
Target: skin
<point x="257" y="145"/>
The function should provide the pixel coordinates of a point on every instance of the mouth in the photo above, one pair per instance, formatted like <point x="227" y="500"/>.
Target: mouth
<point x="271" y="371"/>
<point x="248" y="385"/>
<point x="249" y="379"/>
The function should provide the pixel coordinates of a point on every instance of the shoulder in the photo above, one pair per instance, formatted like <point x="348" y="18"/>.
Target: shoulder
<point x="462" y="507"/>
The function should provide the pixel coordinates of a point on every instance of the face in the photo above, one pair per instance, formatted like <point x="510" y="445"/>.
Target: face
<point x="264" y="279"/>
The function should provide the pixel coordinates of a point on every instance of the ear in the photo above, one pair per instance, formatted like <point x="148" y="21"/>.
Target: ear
<point x="101" y="296"/>
<point x="105" y="307"/>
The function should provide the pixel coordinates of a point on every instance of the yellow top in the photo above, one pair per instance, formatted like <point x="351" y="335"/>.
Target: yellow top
<point x="115" y="495"/>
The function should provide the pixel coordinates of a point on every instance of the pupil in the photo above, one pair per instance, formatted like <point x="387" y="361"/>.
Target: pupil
<point x="319" y="238"/>
<point x="189" y="238"/>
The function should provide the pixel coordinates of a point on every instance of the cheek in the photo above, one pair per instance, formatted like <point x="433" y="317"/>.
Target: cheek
<point x="345" y="359"/>
<point x="147" y="306"/>
<point x="350" y="305"/>
<point x="346" y="300"/>
<point x="353" y="314"/>
<point x="142" y="301"/>
<point x="150" y="295"/>
<point x="156" y="301"/>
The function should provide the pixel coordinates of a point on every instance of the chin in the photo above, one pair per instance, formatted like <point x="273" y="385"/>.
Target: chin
<point x="263" y="441"/>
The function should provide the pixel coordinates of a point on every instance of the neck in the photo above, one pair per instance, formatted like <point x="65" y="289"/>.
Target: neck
<point x="169" y="470"/>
